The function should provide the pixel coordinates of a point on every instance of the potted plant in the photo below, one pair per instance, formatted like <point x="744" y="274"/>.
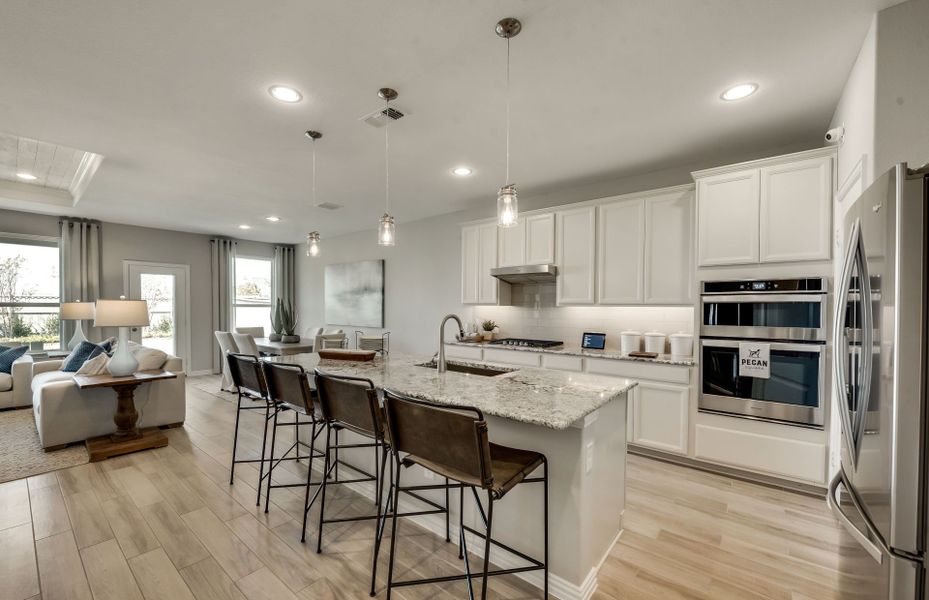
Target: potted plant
<point x="276" y="326"/>
<point x="288" y="323"/>
<point x="488" y="326"/>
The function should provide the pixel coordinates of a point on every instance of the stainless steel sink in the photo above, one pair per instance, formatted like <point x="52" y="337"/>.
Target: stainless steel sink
<point x="483" y="371"/>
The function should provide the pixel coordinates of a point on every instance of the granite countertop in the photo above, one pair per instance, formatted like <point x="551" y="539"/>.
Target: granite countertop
<point x="612" y="354"/>
<point x="552" y="399"/>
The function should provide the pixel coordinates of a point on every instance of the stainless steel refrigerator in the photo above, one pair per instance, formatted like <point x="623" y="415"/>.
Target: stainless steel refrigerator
<point x="880" y="373"/>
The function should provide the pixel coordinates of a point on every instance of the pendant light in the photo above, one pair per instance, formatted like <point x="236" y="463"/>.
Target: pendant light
<point x="386" y="228"/>
<point x="507" y="202"/>
<point x="312" y="238"/>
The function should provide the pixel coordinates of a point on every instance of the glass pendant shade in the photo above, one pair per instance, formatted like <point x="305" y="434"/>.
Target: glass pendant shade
<point x="386" y="231"/>
<point x="507" y="206"/>
<point x="312" y="244"/>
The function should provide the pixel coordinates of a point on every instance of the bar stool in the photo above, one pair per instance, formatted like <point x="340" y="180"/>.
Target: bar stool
<point x="453" y="442"/>
<point x="289" y="391"/>
<point x="248" y="378"/>
<point x="352" y="404"/>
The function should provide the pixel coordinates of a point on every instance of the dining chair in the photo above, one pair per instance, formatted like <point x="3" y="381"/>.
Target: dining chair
<point x="246" y="344"/>
<point x="227" y="346"/>
<point x="257" y="332"/>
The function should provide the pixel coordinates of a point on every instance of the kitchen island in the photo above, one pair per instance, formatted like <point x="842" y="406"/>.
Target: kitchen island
<point x="577" y="420"/>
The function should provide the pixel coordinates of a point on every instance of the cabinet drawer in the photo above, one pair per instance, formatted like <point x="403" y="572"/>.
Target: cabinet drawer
<point x="639" y="370"/>
<point x="562" y="362"/>
<point x="512" y="357"/>
<point x="465" y="352"/>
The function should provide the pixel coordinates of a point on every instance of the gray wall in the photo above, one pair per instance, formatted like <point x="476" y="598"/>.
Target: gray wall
<point x="126" y="242"/>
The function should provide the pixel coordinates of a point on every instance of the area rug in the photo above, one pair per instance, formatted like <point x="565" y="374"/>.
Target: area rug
<point x="22" y="454"/>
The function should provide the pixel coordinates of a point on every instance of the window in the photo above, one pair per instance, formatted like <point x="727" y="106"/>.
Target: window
<point x="252" y="303"/>
<point x="29" y="291"/>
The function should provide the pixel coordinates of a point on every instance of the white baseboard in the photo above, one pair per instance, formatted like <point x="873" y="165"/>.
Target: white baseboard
<point x="558" y="587"/>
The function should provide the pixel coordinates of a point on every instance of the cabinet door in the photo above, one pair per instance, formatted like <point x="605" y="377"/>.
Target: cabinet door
<point x="727" y="219"/>
<point x="513" y="245"/>
<point x="487" y="284"/>
<point x="470" y="257"/>
<point x="620" y="263"/>
<point x="540" y="239"/>
<point x="796" y="211"/>
<point x="575" y="237"/>
<point x="669" y="224"/>
<point x="660" y="416"/>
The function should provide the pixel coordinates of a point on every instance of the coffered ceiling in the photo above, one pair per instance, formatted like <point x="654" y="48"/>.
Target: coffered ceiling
<point x="174" y="94"/>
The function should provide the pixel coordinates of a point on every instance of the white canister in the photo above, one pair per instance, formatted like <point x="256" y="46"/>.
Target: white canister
<point x="630" y="341"/>
<point x="682" y="344"/>
<point x="654" y="342"/>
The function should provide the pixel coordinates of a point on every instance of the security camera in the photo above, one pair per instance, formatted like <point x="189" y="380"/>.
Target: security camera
<point x="835" y="135"/>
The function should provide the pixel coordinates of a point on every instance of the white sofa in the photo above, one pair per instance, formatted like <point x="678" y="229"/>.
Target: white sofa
<point x="64" y="413"/>
<point x="16" y="387"/>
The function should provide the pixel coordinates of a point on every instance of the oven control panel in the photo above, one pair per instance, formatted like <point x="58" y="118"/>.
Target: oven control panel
<point x="815" y="285"/>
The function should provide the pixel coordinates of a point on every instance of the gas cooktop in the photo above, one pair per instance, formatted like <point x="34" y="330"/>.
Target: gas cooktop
<point x="527" y="343"/>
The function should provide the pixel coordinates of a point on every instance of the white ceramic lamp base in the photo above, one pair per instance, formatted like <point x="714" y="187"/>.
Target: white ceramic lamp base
<point x="78" y="336"/>
<point x="123" y="363"/>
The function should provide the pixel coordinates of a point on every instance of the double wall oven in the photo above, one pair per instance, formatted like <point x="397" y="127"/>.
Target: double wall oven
<point x="778" y="325"/>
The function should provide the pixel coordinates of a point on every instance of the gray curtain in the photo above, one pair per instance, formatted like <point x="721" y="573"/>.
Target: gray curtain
<point x="222" y="267"/>
<point x="284" y="275"/>
<point x="79" y="247"/>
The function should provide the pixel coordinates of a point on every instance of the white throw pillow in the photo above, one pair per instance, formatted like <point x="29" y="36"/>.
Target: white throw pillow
<point x="149" y="359"/>
<point x="94" y="366"/>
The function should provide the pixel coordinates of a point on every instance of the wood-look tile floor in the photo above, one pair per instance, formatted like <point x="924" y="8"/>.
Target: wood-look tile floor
<point x="166" y="524"/>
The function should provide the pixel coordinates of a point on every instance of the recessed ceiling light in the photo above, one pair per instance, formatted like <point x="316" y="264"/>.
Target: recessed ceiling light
<point x="285" y="94"/>
<point x="245" y="226"/>
<point x="273" y="219"/>
<point x="27" y="176"/>
<point x="462" y="171"/>
<point x="737" y="92"/>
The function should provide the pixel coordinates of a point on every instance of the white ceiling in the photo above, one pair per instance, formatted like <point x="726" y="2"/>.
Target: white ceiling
<point x="53" y="166"/>
<point x="174" y="94"/>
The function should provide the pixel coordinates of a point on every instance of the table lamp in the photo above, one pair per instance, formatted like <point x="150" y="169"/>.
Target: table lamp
<point x="76" y="311"/>
<point x="124" y="314"/>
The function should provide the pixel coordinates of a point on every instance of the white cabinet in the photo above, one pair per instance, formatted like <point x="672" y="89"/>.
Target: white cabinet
<point x="470" y="257"/>
<point x="773" y="210"/>
<point x="727" y="219"/>
<point x="540" y="239"/>
<point x="575" y="255"/>
<point x="669" y="268"/>
<point x="563" y="362"/>
<point x="796" y="211"/>
<point x="512" y="357"/>
<point x="478" y="257"/>
<point x="488" y="285"/>
<point x="621" y="243"/>
<point x="660" y="416"/>
<point x="530" y="242"/>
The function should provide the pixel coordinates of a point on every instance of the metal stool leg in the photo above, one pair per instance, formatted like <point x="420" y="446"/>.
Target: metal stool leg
<point x="545" y="524"/>
<point x="322" y="499"/>
<point x="448" y="532"/>
<point x="490" y="523"/>
<point x="235" y="439"/>
<point x="264" y="443"/>
<point x="309" y="477"/>
<point x="271" y="459"/>
<point x="380" y="516"/>
<point x="393" y="531"/>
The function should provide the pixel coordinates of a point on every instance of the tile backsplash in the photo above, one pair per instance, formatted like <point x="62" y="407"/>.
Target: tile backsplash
<point x="533" y="314"/>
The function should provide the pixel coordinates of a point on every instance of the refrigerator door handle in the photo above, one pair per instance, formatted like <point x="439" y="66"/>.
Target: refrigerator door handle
<point x="840" y="345"/>
<point x="873" y="550"/>
<point x="867" y="344"/>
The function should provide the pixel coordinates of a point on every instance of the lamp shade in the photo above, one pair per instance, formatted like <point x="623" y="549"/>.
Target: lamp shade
<point x="121" y="313"/>
<point x="77" y="311"/>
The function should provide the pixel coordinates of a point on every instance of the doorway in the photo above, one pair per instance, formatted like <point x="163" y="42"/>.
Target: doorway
<point x="166" y="288"/>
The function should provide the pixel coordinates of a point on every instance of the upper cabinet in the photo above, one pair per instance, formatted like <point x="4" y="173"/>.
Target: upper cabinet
<point x="620" y="252"/>
<point x="669" y="264"/>
<point x="575" y="255"/>
<point x="530" y="242"/>
<point x="478" y="257"/>
<point x="773" y="210"/>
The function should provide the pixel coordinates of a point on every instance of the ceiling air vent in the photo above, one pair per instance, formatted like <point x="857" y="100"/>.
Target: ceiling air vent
<point x="379" y="117"/>
<point x="329" y="205"/>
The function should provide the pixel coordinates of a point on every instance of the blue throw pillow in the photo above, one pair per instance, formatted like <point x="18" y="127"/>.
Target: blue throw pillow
<point x="8" y="356"/>
<point x="84" y="352"/>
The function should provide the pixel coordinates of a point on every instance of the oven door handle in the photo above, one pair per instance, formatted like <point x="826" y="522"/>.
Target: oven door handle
<point x="811" y="348"/>
<point x="763" y="298"/>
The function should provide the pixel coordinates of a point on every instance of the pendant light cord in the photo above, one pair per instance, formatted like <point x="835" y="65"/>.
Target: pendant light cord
<point x="387" y="158"/>
<point x="314" y="171"/>
<point x="507" y="182"/>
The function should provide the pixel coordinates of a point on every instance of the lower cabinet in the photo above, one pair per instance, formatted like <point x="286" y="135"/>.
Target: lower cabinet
<point x="659" y="416"/>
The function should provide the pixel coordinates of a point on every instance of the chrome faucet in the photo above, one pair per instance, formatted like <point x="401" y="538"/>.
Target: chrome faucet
<point x="440" y="362"/>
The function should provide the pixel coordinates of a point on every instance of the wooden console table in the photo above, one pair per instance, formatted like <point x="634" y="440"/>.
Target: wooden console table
<point x="127" y="437"/>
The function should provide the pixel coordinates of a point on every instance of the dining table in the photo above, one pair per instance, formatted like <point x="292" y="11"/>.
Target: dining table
<point x="284" y="349"/>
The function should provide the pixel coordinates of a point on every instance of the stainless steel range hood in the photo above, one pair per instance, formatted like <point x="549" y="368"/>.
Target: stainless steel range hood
<point x="526" y="274"/>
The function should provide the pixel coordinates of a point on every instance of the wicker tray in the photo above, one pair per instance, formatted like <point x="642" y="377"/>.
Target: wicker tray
<point x="353" y="355"/>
